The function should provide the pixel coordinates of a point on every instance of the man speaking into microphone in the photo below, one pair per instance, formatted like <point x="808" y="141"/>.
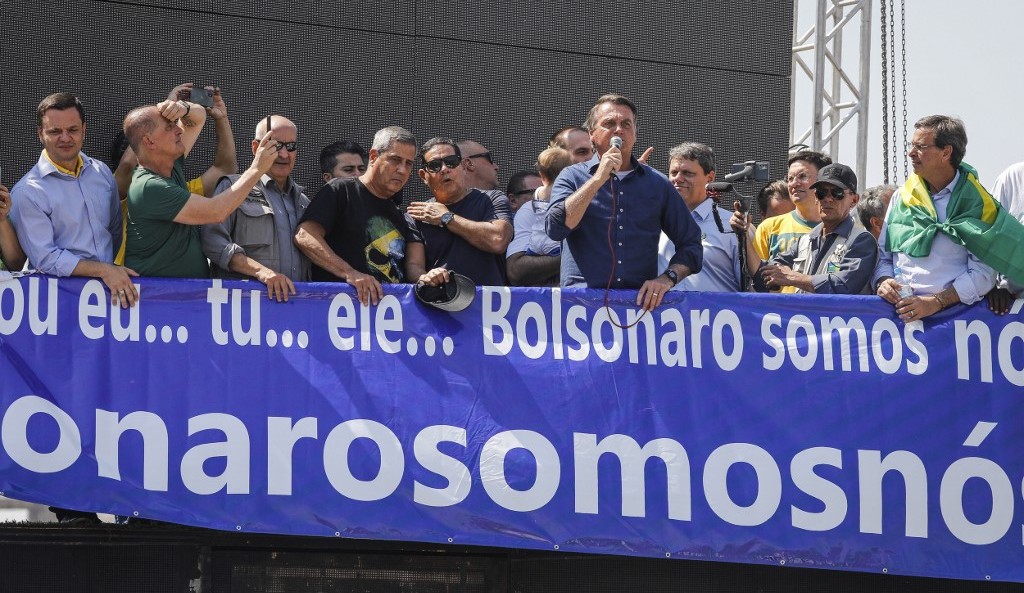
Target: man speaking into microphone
<point x="611" y="210"/>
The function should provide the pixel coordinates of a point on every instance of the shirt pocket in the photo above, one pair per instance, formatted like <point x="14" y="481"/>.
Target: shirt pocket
<point x="800" y="263"/>
<point x="254" y="226"/>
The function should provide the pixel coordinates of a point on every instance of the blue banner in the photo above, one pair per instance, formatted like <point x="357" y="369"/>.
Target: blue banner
<point x="789" y="430"/>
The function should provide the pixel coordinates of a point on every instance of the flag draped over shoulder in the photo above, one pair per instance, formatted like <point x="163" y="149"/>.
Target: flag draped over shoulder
<point x="973" y="219"/>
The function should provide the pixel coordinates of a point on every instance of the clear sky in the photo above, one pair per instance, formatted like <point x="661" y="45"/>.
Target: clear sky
<point x="964" y="59"/>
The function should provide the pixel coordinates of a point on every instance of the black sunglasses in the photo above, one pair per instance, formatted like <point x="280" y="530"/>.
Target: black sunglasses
<point x="451" y="161"/>
<point x="482" y="155"/>
<point x="837" y="193"/>
<point x="289" y="146"/>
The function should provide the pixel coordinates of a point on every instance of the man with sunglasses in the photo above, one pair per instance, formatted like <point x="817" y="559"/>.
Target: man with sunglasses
<point x="464" y="230"/>
<point x="481" y="170"/>
<point x="255" y="241"/>
<point x="521" y="187"/>
<point x="482" y="174"/>
<point x="835" y="257"/>
<point x="163" y="215"/>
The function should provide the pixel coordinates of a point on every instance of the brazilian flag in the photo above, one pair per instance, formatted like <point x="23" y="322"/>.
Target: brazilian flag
<point x="973" y="219"/>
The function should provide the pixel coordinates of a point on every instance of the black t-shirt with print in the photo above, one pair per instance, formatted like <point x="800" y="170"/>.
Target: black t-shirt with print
<point x="368" y="232"/>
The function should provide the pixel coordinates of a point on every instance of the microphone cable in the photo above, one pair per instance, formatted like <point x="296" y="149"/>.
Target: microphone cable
<point x="611" y="248"/>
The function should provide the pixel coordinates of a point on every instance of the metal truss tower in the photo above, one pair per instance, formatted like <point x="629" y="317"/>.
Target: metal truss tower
<point x="830" y="77"/>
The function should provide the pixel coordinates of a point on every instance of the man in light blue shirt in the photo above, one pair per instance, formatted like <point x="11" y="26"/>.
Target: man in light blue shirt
<point x="691" y="167"/>
<point x="66" y="209"/>
<point x="949" y="274"/>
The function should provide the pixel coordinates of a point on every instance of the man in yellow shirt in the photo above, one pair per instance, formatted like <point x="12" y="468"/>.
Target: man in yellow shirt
<point x="775" y="235"/>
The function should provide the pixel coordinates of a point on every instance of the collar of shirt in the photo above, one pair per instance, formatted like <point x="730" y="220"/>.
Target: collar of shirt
<point x="48" y="166"/>
<point x="596" y="160"/>
<point x="796" y="214"/>
<point x="843" y="230"/>
<point x="946" y="192"/>
<point x="290" y="187"/>
<point x="703" y="210"/>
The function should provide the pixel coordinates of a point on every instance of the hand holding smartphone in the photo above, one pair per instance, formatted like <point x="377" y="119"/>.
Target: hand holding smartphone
<point x="201" y="96"/>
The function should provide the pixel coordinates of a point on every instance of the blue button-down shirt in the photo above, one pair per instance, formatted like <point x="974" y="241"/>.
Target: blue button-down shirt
<point x="62" y="219"/>
<point x="645" y="205"/>
<point x="721" y="270"/>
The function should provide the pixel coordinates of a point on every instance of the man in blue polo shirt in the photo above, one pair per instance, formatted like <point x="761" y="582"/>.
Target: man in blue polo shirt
<point x="613" y="194"/>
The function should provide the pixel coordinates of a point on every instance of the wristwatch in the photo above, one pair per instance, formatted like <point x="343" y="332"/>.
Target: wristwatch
<point x="671" y="275"/>
<point x="446" y="218"/>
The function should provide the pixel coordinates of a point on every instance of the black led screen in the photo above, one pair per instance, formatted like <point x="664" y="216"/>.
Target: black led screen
<point x="505" y="72"/>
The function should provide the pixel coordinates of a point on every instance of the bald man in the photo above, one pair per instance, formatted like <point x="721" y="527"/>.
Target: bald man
<point x="255" y="241"/>
<point x="163" y="215"/>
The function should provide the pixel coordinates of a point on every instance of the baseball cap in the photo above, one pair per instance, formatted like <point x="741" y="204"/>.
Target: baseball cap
<point x="838" y="175"/>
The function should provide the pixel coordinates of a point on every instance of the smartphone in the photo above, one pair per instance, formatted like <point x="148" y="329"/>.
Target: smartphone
<point x="201" y="96"/>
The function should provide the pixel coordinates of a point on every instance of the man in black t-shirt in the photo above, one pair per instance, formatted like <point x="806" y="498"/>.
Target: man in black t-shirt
<point x="464" y="230"/>
<point x="353" y="231"/>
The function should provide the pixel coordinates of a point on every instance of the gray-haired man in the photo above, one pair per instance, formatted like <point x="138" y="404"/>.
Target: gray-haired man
<point x="354" y="232"/>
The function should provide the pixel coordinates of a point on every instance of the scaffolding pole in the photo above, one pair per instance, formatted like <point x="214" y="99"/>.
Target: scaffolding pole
<point x="825" y="89"/>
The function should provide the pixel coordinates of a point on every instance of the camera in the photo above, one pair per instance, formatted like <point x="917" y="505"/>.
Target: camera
<point x="759" y="171"/>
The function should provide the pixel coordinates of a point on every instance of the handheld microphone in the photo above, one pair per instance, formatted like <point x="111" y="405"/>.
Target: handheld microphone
<point x="616" y="142"/>
<point x="719" y="187"/>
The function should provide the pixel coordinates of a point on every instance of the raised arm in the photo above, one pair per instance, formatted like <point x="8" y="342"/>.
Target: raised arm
<point x="567" y="214"/>
<point x="225" y="160"/>
<point x="200" y="210"/>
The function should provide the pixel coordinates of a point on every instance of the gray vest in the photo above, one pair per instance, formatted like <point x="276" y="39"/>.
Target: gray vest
<point x="835" y="254"/>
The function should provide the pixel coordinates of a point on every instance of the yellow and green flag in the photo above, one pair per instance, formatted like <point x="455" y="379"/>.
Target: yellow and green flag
<point x="974" y="219"/>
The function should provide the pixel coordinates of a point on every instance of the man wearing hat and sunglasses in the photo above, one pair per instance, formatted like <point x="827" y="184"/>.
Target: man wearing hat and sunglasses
<point x="835" y="257"/>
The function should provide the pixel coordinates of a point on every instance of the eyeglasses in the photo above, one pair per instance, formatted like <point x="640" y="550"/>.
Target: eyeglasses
<point x="451" y="161"/>
<point x="289" y="146"/>
<point x="482" y="155"/>
<point x="915" y="147"/>
<point x="837" y="193"/>
<point x="802" y="177"/>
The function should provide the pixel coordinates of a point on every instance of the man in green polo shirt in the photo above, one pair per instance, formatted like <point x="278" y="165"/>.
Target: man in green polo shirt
<point x="163" y="216"/>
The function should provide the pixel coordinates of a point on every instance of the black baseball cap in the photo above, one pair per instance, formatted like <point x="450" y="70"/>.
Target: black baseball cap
<point x="838" y="175"/>
<point x="454" y="295"/>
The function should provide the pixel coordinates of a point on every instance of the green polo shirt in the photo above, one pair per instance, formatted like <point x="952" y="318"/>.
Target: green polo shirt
<point x="156" y="245"/>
